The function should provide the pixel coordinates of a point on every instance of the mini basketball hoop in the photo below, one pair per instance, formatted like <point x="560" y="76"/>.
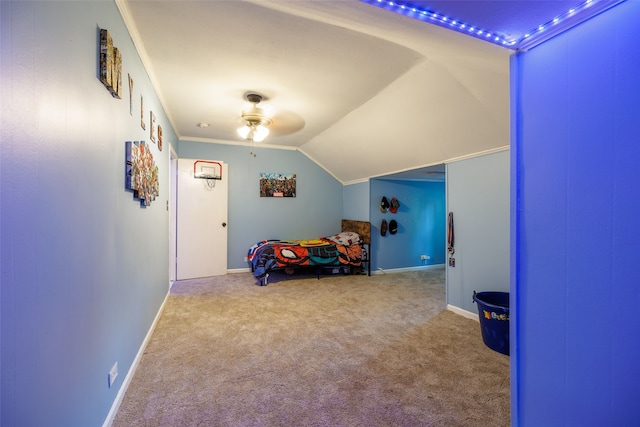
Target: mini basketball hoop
<point x="207" y="170"/>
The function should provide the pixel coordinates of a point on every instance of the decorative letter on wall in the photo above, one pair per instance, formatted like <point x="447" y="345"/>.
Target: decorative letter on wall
<point x="110" y="65"/>
<point x="141" y="172"/>
<point x="152" y="130"/>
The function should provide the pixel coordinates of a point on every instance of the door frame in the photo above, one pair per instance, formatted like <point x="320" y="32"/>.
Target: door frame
<point x="172" y="207"/>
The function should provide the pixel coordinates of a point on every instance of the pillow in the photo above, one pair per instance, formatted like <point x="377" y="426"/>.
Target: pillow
<point x="314" y="242"/>
<point x="346" y="238"/>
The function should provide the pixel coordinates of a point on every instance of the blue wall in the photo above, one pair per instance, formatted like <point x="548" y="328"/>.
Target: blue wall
<point x="421" y="224"/>
<point x="321" y="203"/>
<point x="84" y="266"/>
<point x="478" y="196"/>
<point x="575" y="347"/>
<point x="315" y="211"/>
<point x="355" y="201"/>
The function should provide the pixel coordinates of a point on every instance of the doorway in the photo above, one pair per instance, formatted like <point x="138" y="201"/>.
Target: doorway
<point x="420" y="219"/>
<point x="201" y="226"/>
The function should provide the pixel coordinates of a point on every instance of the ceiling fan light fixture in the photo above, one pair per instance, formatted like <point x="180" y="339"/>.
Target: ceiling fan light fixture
<point x="253" y="131"/>
<point x="260" y="133"/>
<point x="256" y="122"/>
<point x="244" y="132"/>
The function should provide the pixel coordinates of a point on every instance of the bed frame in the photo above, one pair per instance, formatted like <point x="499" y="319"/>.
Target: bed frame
<point x="363" y="228"/>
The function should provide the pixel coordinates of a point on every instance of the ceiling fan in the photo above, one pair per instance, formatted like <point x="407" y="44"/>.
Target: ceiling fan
<point x="255" y="120"/>
<point x="259" y="121"/>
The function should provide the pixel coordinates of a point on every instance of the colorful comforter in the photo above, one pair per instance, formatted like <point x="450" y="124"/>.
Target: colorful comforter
<point x="341" y="249"/>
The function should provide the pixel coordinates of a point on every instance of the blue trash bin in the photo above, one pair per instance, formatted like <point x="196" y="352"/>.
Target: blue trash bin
<point x="493" y="311"/>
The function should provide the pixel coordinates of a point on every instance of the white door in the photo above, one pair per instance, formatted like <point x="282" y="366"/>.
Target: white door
<point x="201" y="223"/>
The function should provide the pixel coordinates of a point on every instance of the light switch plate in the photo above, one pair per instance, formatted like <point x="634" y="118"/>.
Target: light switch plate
<point x="113" y="373"/>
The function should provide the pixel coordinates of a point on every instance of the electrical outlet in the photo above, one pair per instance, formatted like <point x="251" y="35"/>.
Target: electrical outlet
<point x="246" y="259"/>
<point x="113" y="373"/>
<point x="423" y="257"/>
<point x="452" y="262"/>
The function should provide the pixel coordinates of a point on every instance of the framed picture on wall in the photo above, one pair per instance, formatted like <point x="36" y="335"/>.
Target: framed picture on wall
<point x="277" y="184"/>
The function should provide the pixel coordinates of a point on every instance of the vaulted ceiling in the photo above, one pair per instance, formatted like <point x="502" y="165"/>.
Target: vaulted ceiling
<point x="364" y="88"/>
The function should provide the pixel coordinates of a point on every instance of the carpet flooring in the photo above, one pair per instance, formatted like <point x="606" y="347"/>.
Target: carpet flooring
<point x="344" y="350"/>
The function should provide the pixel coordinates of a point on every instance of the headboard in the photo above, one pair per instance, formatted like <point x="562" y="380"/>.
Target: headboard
<point x="363" y="228"/>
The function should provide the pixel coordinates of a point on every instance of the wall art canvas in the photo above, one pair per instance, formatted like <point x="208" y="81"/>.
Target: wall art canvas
<point x="277" y="184"/>
<point x="141" y="172"/>
<point x="110" y="65"/>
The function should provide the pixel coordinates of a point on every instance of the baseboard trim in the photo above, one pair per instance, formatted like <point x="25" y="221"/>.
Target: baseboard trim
<point x="238" y="270"/>
<point x="403" y="269"/>
<point x="463" y="312"/>
<point x="136" y="361"/>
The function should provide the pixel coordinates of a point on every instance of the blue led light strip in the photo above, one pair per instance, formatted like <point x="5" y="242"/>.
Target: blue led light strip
<point x="434" y="17"/>
<point x="557" y="20"/>
<point x="534" y="37"/>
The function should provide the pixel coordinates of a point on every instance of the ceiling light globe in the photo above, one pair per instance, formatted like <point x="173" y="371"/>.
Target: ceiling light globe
<point x="244" y="131"/>
<point x="260" y="133"/>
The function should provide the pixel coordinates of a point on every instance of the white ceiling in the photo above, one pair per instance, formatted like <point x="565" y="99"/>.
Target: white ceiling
<point x="362" y="91"/>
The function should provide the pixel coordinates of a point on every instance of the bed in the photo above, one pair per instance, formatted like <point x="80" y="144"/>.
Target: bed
<point x="348" y="248"/>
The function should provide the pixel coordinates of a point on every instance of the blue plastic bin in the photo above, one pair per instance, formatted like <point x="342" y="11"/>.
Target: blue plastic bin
<point x="493" y="311"/>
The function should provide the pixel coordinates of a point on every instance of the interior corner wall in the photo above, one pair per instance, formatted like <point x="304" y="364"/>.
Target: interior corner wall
<point x="355" y="201"/>
<point x="575" y="289"/>
<point x="315" y="211"/>
<point x="478" y="195"/>
<point x="421" y="224"/>
<point x="84" y="265"/>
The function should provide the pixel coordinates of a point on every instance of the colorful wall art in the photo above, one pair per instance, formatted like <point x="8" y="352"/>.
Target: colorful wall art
<point x="277" y="185"/>
<point x="110" y="65"/>
<point x="141" y="172"/>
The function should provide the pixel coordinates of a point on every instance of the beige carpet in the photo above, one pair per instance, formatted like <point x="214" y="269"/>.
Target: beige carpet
<point x="339" y="351"/>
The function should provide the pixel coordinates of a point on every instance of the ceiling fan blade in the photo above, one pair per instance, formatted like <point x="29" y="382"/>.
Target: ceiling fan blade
<point x="285" y="123"/>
